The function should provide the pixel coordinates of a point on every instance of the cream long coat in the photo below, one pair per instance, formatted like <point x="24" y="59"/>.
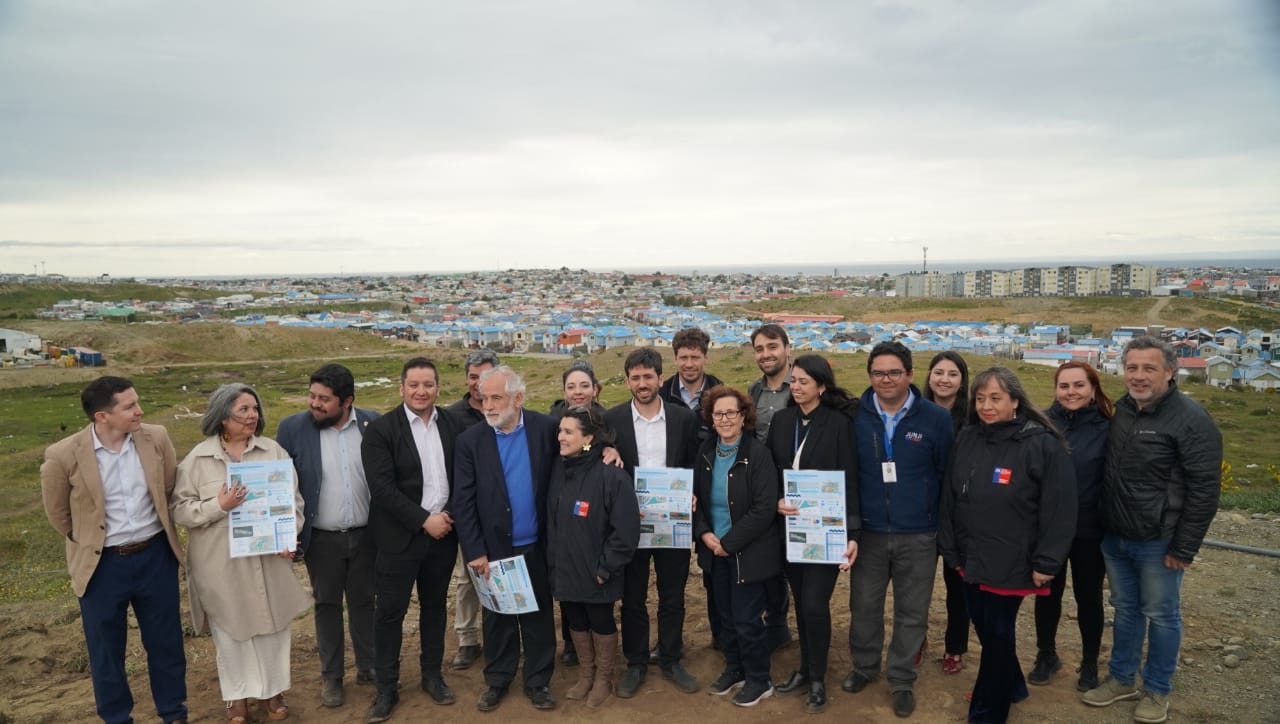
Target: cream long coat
<point x="73" y="497"/>
<point x="249" y="596"/>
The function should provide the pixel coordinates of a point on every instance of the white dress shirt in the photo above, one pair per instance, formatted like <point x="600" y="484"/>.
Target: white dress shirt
<point x="651" y="437"/>
<point x="344" y="492"/>
<point x="127" y="508"/>
<point x="435" y="476"/>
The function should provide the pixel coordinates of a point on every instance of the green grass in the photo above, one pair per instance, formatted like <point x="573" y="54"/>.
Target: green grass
<point x="20" y="301"/>
<point x="32" y="563"/>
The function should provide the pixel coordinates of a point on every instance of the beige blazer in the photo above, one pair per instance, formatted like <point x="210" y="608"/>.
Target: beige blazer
<point x="72" y="491"/>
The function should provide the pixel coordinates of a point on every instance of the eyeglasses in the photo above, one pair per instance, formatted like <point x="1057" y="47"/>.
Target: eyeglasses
<point x="726" y="415"/>
<point x="887" y="374"/>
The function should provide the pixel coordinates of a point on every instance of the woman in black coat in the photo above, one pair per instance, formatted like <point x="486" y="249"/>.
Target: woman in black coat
<point x="736" y="525"/>
<point x="593" y="529"/>
<point x="1082" y="411"/>
<point x="1008" y="517"/>
<point x="816" y="433"/>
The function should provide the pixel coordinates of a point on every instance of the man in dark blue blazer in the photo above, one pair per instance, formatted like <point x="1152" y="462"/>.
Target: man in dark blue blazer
<point x="651" y="432"/>
<point x="324" y="442"/>
<point x="503" y="471"/>
<point x="408" y="460"/>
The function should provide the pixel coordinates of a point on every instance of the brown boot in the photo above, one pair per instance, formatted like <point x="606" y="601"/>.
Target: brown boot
<point x="606" y="651"/>
<point x="586" y="664"/>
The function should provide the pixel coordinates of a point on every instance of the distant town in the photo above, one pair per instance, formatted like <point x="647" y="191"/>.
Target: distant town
<point x="576" y="311"/>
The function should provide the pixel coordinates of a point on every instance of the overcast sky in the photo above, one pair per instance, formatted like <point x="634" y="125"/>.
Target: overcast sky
<point x="148" y="137"/>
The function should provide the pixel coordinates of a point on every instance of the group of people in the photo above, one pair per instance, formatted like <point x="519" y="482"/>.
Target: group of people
<point x="967" y="470"/>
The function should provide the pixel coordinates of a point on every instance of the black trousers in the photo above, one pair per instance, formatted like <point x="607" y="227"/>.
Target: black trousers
<point x="428" y="563"/>
<point x="506" y="635"/>
<point x="341" y="566"/>
<point x="957" y="634"/>
<point x="1000" y="682"/>
<point x="1087" y="572"/>
<point x="811" y="587"/>
<point x="671" y="566"/>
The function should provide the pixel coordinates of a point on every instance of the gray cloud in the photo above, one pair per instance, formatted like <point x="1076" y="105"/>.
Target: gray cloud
<point x="449" y="135"/>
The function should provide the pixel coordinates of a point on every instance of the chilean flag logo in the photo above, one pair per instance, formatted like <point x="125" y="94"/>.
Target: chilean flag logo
<point x="580" y="508"/>
<point x="1001" y="476"/>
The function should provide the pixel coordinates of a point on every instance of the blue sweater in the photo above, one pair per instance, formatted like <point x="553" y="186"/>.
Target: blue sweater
<point x="513" y="448"/>
<point x="921" y="447"/>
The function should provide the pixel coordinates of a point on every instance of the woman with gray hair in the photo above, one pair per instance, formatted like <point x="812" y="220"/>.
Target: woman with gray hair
<point x="246" y="603"/>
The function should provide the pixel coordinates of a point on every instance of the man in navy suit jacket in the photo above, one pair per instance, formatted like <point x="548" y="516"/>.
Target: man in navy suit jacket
<point x="503" y="471"/>
<point x="324" y="442"/>
<point x="653" y="433"/>
<point x="408" y="459"/>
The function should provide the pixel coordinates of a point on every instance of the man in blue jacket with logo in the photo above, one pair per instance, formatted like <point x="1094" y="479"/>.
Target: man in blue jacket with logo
<point x="903" y="445"/>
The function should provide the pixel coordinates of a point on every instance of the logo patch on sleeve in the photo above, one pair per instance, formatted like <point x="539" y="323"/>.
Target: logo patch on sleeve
<point x="580" y="508"/>
<point x="1001" y="476"/>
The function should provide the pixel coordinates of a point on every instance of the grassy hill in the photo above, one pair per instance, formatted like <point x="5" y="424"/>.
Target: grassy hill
<point x="1101" y="314"/>
<point x="19" y="301"/>
<point x="175" y="367"/>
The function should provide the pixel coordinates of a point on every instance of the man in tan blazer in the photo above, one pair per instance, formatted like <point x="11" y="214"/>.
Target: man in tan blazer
<point x="106" y="490"/>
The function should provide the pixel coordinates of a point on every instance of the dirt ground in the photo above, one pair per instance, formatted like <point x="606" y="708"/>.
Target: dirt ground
<point x="1229" y="599"/>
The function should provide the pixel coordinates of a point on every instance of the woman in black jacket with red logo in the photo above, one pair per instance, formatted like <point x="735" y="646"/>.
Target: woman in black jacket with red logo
<point x="593" y="528"/>
<point x="1008" y="518"/>
<point x="1082" y="411"/>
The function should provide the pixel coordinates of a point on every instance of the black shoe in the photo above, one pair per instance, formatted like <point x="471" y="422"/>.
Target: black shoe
<point x="569" y="657"/>
<point x="681" y="677"/>
<point x="541" y="697"/>
<point x="817" y="700"/>
<point x="439" y="691"/>
<point x="753" y="693"/>
<point x="727" y="682"/>
<point x="465" y="657"/>
<point x="631" y="682"/>
<point x="331" y="695"/>
<point x="1047" y="664"/>
<point x="904" y="702"/>
<point x="1088" y="675"/>
<point x="382" y="706"/>
<point x="491" y="697"/>
<point x="855" y="682"/>
<point x="366" y="678"/>
<point x="795" y="682"/>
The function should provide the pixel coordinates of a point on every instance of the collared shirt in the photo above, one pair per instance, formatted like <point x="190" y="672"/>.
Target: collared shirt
<point x="344" y="492"/>
<point x="127" y="508"/>
<point x="691" y="399"/>
<point x="435" y="476"/>
<point x="891" y="421"/>
<point x="517" y="471"/>
<point x="651" y="437"/>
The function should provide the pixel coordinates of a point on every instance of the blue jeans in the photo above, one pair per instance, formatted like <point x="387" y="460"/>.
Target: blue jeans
<point x="1145" y="595"/>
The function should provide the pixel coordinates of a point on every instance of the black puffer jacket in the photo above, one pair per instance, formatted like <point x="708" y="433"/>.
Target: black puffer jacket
<point x="755" y="537"/>
<point x="1163" y="472"/>
<point x="1008" y="504"/>
<point x="1086" y="433"/>
<point x="593" y="528"/>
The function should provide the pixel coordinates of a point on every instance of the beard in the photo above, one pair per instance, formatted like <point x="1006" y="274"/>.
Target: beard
<point x="330" y="421"/>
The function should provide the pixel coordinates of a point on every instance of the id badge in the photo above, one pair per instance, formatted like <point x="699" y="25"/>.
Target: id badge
<point x="889" y="470"/>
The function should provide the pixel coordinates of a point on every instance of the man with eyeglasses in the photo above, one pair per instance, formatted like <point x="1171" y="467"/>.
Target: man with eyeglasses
<point x="903" y="445"/>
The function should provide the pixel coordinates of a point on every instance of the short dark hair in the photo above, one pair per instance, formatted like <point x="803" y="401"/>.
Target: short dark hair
<point x="418" y="363"/>
<point x="643" y="357"/>
<point x="592" y="422"/>
<point x="772" y="331"/>
<point x="482" y="356"/>
<point x="690" y="338"/>
<point x="897" y="349"/>
<point x="1149" y="342"/>
<point x="100" y="395"/>
<point x="338" y="379"/>
<point x="711" y="396"/>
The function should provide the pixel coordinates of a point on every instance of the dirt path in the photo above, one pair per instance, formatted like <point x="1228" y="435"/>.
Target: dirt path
<point x="1153" y="314"/>
<point x="1227" y="596"/>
